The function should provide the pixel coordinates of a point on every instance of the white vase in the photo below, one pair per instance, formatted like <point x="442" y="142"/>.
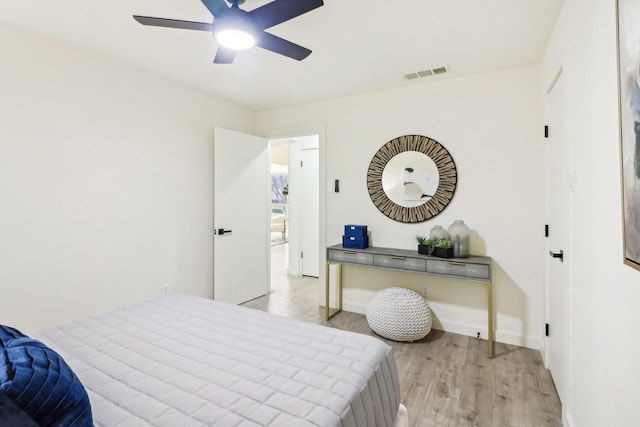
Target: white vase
<point x="438" y="233"/>
<point x="459" y="235"/>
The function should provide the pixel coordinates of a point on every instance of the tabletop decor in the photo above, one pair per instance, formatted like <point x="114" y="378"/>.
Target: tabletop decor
<point x="425" y="245"/>
<point x="459" y="235"/>
<point x="438" y="233"/>
<point x="443" y="249"/>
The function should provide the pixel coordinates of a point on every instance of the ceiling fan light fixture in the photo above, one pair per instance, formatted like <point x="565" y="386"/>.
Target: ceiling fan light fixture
<point x="234" y="38"/>
<point x="236" y="29"/>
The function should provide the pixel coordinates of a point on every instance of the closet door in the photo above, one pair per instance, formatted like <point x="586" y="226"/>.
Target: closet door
<point x="559" y="184"/>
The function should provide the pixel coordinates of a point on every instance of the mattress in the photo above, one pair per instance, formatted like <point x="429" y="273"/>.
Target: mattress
<point x="179" y="360"/>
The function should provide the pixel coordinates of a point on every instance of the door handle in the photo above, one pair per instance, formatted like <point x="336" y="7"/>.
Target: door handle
<point x="557" y="255"/>
<point x="221" y="231"/>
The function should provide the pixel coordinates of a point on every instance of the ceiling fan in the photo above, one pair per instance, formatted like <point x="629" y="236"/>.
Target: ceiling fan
<point x="236" y="29"/>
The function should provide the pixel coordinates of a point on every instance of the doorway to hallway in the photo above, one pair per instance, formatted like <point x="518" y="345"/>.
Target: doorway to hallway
<point x="295" y="205"/>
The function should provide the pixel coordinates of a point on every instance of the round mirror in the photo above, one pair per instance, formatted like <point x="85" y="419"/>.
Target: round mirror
<point x="412" y="178"/>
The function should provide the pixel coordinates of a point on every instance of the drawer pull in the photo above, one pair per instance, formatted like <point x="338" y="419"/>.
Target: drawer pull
<point x="350" y="252"/>
<point x="461" y="264"/>
<point x="401" y="258"/>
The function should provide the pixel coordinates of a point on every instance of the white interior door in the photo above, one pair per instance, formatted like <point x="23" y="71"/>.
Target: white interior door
<point x="241" y="205"/>
<point x="558" y="193"/>
<point x="310" y="186"/>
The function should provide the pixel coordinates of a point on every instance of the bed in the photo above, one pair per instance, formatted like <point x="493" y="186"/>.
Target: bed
<point x="180" y="360"/>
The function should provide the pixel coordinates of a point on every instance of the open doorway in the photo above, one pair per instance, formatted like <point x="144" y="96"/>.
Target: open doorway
<point x="279" y="194"/>
<point x="280" y="228"/>
<point x="295" y="206"/>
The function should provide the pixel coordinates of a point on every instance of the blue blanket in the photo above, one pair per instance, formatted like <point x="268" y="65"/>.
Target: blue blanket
<point x="39" y="381"/>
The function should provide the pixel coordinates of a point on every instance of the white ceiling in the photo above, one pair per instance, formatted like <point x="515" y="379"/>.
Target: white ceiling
<point x="358" y="45"/>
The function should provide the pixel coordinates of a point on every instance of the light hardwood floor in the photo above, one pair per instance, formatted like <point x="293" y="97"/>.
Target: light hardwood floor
<point x="446" y="379"/>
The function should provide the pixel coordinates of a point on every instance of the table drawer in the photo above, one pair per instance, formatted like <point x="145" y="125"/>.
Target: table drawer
<point x="350" y="256"/>
<point x="400" y="262"/>
<point x="459" y="268"/>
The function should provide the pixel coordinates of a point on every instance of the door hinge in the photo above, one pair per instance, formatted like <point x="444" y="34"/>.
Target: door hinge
<point x="300" y="163"/>
<point x="546" y="230"/>
<point x="546" y="131"/>
<point x="301" y="254"/>
<point x="546" y="329"/>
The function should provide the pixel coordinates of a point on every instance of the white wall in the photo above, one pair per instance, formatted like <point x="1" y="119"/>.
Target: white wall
<point x="602" y="365"/>
<point x="491" y="124"/>
<point x="105" y="182"/>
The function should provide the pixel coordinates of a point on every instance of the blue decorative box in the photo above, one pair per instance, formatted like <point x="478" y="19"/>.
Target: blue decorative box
<point x="355" y="230"/>
<point x="355" y="242"/>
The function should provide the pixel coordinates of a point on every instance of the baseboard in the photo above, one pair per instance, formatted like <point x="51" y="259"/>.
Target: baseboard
<point x="568" y="420"/>
<point x="543" y="352"/>
<point x="519" y="340"/>
<point x="354" y="307"/>
<point x="466" y="329"/>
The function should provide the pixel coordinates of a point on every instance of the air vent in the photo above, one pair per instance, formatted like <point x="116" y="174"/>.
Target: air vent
<point x="426" y="73"/>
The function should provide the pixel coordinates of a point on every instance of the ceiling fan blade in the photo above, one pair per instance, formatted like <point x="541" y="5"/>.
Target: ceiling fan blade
<point x="283" y="47"/>
<point x="224" y="55"/>
<point x="279" y="11"/>
<point x="216" y="7"/>
<point x="173" y="23"/>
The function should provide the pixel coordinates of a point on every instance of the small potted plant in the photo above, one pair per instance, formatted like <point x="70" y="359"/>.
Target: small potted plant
<point x="425" y="245"/>
<point x="443" y="248"/>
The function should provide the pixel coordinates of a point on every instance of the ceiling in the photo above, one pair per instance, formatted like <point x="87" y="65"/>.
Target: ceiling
<point x="358" y="45"/>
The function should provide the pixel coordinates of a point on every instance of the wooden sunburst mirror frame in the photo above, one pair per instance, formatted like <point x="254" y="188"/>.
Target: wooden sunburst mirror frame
<point x="448" y="178"/>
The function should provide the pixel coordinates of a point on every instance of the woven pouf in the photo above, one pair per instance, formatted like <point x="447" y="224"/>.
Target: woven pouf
<point x="399" y="314"/>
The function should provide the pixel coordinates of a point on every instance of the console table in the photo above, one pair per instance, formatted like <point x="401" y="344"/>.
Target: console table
<point x="475" y="269"/>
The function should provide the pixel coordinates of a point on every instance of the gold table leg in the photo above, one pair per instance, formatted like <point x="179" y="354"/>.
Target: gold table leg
<point x="328" y="312"/>
<point x="491" y="334"/>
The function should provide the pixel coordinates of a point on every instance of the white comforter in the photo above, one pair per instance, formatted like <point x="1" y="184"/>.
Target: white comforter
<point x="184" y="361"/>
